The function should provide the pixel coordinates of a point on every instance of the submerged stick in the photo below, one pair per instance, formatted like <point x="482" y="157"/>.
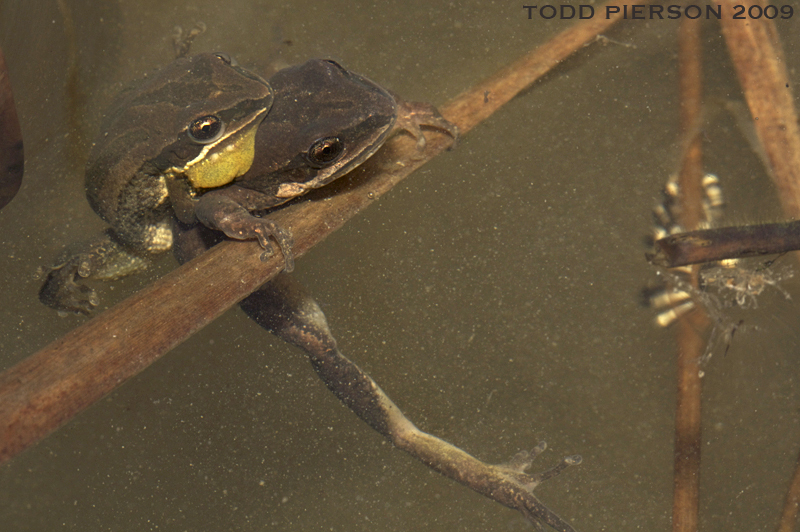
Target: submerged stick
<point x="707" y="245"/>
<point x="758" y="58"/>
<point x="691" y="345"/>
<point x="788" y="521"/>
<point x="12" y="160"/>
<point x="50" y="387"/>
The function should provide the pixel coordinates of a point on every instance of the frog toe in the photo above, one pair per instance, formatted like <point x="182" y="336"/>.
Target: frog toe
<point x="282" y="237"/>
<point x="515" y="472"/>
<point x="412" y="116"/>
<point x="519" y="464"/>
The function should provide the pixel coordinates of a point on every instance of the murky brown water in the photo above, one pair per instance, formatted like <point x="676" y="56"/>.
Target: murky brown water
<point x="494" y="295"/>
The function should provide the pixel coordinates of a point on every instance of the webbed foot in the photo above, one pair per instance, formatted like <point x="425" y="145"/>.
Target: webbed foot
<point x="515" y="472"/>
<point x="265" y="229"/>
<point x="522" y="461"/>
<point x="61" y="291"/>
<point x="236" y="222"/>
<point x="250" y="227"/>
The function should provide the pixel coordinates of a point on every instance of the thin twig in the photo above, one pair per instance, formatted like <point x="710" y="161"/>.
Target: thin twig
<point x="758" y="58"/>
<point x="707" y="245"/>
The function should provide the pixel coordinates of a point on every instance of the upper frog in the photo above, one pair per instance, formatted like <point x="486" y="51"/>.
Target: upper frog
<point x="194" y="119"/>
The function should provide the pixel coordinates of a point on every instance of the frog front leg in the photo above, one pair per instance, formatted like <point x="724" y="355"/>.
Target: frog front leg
<point x="412" y="116"/>
<point x="229" y="211"/>
<point x="283" y="307"/>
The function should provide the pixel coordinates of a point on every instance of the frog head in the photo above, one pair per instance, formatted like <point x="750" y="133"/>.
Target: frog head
<point x="195" y="118"/>
<point x="325" y="121"/>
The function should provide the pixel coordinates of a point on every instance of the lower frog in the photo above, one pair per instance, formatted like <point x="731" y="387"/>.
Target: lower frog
<point x="324" y="121"/>
<point x="314" y="134"/>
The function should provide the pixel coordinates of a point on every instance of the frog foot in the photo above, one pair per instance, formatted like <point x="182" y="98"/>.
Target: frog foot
<point x="102" y="257"/>
<point x="266" y="229"/>
<point x="61" y="291"/>
<point x="245" y="226"/>
<point x="534" y="511"/>
<point x="518" y="465"/>
<point x="224" y="214"/>
<point x="411" y="116"/>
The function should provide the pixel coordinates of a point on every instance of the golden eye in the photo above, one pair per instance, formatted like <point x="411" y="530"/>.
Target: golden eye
<point x="225" y="57"/>
<point x="206" y="129"/>
<point x="325" y="151"/>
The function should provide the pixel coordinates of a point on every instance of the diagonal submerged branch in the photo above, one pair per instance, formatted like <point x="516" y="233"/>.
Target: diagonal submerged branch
<point x="47" y="389"/>
<point x="758" y="58"/>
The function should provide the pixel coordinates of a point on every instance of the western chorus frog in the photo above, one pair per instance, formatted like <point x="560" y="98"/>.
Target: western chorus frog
<point x="193" y="120"/>
<point x="324" y="121"/>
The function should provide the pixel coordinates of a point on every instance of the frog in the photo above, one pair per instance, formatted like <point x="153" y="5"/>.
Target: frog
<point x="312" y="136"/>
<point x="324" y="121"/>
<point x="195" y="120"/>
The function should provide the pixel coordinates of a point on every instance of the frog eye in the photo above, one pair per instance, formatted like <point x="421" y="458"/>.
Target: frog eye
<point x="325" y="151"/>
<point x="227" y="58"/>
<point x="206" y="129"/>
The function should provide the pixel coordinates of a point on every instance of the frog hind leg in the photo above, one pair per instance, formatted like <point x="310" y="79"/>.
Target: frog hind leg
<point x="284" y="308"/>
<point x="140" y="228"/>
<point x="103" y="257"/>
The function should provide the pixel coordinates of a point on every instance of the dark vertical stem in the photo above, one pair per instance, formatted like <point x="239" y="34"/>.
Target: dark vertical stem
<point x="691" y="345"/>
<point x="12" y="160"/>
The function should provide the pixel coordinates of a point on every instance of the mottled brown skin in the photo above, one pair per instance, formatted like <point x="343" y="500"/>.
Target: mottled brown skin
<point x="318" y="101"/>
<point x="324" y="121"/>
<point x="144" y="142"/>
<point x="144" y="136"/>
